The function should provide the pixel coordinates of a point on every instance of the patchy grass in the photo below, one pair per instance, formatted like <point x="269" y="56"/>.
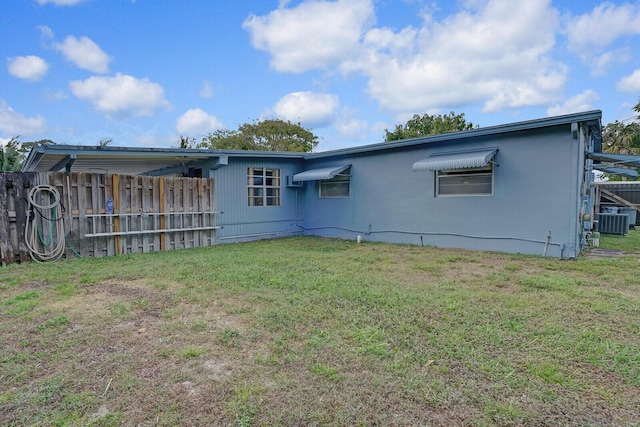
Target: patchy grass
<point x="629" y="243"/>
<point x="307" y="331"/>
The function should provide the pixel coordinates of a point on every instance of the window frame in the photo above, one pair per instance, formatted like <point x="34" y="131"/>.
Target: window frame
<point x="264" y="187"/>
<point x="483" y="171"/>
<point x="341" y="178"/>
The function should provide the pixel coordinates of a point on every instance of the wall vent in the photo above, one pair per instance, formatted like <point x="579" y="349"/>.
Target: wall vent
<point x="610" y="223"/>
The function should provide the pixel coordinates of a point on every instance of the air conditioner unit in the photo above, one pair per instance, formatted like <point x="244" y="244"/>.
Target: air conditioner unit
<point x="610" y="223"/>
<point x="292" y="183"/>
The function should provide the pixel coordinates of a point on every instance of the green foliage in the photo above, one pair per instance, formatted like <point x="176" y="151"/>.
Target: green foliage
<point x="14" y="153"/>
<point x="621" y="138"/>
<point x="265" y="135"/>
<point x="11" y="157"/>
<point x="426" y="125"/>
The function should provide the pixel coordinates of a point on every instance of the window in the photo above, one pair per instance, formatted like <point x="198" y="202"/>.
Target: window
<point x="465" y="182"/>
<point x="336" y="187"/>
<point x="263" y="186"/>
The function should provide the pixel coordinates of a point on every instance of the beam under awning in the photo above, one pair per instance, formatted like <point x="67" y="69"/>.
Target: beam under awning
<point x="66" y="163"/>
<point x="320" y="173"/>
<point x="629" y="173"/>
<point x="618" y="159"/>
<point x="459" y="160"/>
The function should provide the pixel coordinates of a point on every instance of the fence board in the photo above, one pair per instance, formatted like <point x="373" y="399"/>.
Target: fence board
<point x="6" y="248"/>
<point x="152" y="204"/>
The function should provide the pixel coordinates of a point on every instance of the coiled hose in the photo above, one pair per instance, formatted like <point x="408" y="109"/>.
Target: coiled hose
<point x="44" y="200"/>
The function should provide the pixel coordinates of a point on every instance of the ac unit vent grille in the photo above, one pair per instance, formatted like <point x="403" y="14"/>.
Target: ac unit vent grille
<point x="613" y="223"/>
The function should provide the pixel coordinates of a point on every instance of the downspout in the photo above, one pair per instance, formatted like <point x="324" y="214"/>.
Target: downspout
<point x="577" y="137"/>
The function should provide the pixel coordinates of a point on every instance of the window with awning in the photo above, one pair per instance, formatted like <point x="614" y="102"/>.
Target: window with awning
<point x="458" y="160"/>
<point x="461" y="173"/>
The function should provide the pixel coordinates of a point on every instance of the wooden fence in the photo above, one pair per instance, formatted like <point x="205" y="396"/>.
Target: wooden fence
<point x="102" y="215"/>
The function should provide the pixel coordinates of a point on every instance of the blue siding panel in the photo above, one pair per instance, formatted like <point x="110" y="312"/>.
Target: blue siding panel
<point x="390" y="202"/>
<point x="242" y="222"/>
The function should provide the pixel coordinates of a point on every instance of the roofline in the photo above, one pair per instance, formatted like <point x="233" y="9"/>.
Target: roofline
<point x="485" y="131"/>
<point x="185" y="153"/>
<point x="157" y="152"/>
<point x="193" y="153"/>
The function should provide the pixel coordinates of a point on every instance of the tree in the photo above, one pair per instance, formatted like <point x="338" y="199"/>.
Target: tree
<point x="265" y="135"/>
<point x="11" y="155"/>
<point x="429" y="125"/>
<point x="637" y="109"/>
<point x="621" y="138"/>
<point x="186" y="142"/>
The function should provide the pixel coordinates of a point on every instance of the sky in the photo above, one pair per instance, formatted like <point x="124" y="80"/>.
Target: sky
<point x="143" y="73"/>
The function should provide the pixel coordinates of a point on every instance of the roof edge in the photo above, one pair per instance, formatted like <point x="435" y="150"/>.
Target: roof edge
<point x="483" y="131"/>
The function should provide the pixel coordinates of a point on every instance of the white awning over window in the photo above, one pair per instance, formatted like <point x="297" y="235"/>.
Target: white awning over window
<point x="467" y="159"/>
<point x="319" y="174"/>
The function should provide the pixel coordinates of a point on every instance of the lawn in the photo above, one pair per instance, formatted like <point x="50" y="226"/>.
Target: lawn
<point x="306" y="331"/>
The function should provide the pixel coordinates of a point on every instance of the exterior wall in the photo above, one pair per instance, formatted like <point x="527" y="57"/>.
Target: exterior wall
<point x="241" y="222"/>
<point x="536" y="192"/>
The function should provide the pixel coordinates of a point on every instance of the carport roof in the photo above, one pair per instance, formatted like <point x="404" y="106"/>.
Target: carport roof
<point x="131" y="161"/>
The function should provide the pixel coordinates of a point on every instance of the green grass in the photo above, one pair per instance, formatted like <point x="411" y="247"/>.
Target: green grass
<point x="306" y="331"/>
<point x="631" y="242"/>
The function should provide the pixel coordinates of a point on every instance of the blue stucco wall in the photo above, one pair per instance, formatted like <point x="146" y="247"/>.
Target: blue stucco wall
<point x="535" y="192"/>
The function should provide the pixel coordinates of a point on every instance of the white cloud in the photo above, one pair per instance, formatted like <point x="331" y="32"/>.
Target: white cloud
<point x="46" y="31"/>
<point x="497" y="54"/>
<point x="309" y="108"/>
<point x="121" y="95"/>
<point x="13" y="123"/>
<point x="51" y="95"/>
<point x="630" y="83"/>
<point x="197" y="121"/>
<point x="604" y="24"/>
<point x="495" y="51"/>
<point x="207" y="91"/>
<point x="29" y="67"/>
<point x="590" y="34"/>
<point x="353" y="129"/>
<point x="581" y="102"/>
<point x="84" y="53"/>
<point x="60" y="2"/>
<point x="314" y="34"/>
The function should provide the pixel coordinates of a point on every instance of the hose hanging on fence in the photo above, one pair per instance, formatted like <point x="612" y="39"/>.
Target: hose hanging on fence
<point x="44" y="200"/>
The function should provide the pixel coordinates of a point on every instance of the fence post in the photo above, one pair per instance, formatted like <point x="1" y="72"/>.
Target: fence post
<point x="6" y="248"/>
<point x="116" y="208"/>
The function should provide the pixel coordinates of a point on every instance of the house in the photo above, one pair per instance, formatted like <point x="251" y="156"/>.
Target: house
<point x="523" y="187"/>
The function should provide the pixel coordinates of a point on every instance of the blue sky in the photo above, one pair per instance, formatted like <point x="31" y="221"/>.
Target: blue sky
<point x="144" y="72"/>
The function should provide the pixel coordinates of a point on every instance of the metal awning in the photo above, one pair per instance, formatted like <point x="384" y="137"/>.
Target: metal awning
<point x="629" y="173"/>
<point x="460" y="160"/>
<point x="618" y="159"/>
<point x="319" y="174"/>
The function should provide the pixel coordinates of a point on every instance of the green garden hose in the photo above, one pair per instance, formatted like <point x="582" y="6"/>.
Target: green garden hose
<point x="44" y="233"/>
